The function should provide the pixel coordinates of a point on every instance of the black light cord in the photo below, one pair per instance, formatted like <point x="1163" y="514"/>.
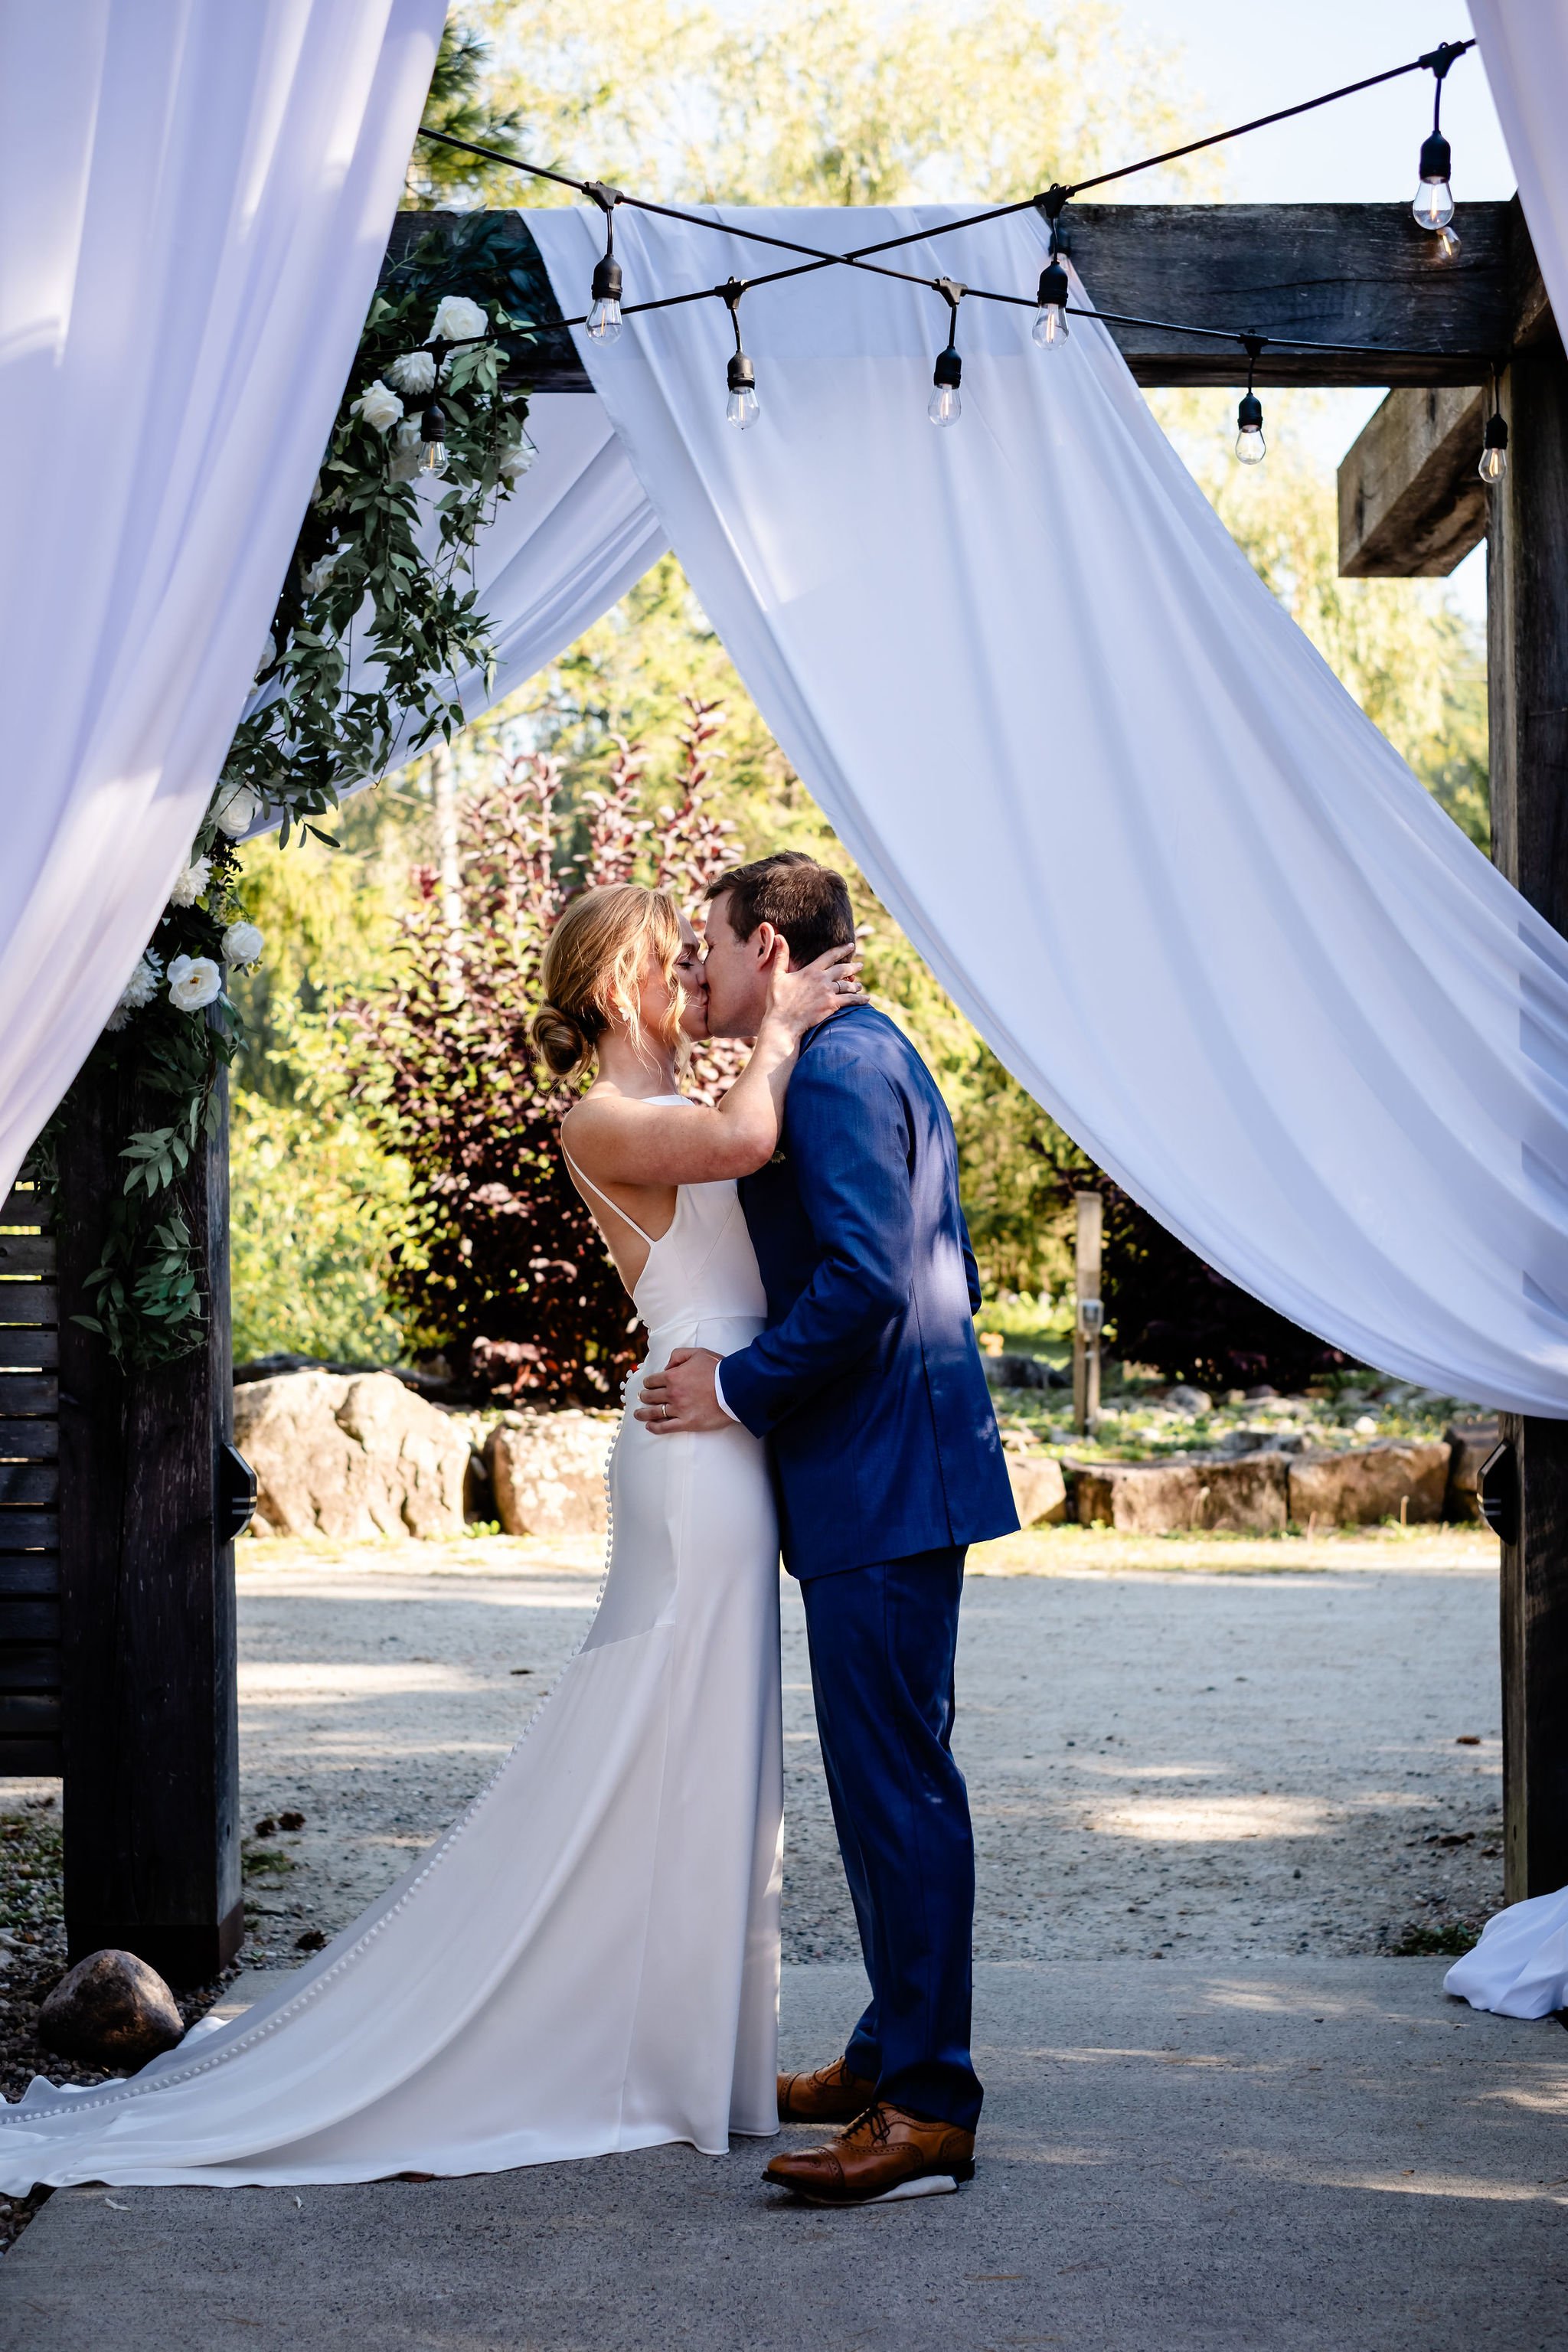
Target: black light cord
<point x="1049" y="203"/>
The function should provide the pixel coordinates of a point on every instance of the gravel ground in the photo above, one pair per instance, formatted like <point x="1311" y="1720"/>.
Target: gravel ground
<point x="1198" y="1747"/>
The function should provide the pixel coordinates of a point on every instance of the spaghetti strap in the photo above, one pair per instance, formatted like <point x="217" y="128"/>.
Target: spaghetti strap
<point x="584" y="1178"/>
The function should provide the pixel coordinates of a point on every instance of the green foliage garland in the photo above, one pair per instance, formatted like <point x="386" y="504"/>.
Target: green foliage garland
<point x="311" y="732"/>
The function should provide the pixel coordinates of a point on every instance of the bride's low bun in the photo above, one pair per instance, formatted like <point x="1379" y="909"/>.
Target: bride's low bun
<point x="561" y="1043"/>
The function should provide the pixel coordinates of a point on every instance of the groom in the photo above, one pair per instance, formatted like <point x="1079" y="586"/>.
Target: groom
<point x="867" y="1385"/>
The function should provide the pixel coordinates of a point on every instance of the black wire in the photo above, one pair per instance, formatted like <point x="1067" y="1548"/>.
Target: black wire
<point x="1438" y="61"/>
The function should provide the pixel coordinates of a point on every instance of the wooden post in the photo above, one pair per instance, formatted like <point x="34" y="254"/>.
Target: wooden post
<point x="29" y="1487"/>
<point x="1088" y="1317"/>
<point x="150" y="1717"/>
<point x="1527" y="601"/>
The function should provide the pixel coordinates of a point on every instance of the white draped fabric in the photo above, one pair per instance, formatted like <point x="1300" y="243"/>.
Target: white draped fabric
<point x="1520" y="1968"/>
<point x="1524" y="48"/>
<point x="198" y="196"/>
<point x="1182" y="885"/>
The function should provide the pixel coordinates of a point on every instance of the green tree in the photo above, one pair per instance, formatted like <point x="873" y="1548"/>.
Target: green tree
<point x="462" y="102"/>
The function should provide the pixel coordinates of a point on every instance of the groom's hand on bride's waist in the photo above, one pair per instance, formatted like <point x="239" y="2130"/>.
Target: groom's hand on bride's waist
<point x="684" y="1395"/>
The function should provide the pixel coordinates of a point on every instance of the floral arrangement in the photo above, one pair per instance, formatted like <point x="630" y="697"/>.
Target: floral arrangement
<point x="426" y="403"/>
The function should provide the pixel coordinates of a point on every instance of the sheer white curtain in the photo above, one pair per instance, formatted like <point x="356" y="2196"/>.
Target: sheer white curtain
<point x="197" y="197"/>
<point x="1524" y="48"/>
<point x="1186" y="890"/>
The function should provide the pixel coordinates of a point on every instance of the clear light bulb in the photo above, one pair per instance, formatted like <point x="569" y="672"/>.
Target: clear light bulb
<point x="1433" y="204"/>
<point x="1493" y="464"/>
<point x="944" y="406"/>
<point x="432" y="457"/>
<point x="605" y="320"/>
<point x="1250" y="446"/>
<point x="742" y="408"/>
<point x="1447" y="242"/>
<point x="433" y="440"/>
<point x="1049" y="331"/>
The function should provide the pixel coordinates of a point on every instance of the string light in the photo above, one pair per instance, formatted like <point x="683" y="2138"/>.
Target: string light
<point x="1250" y="446"/>
<point x="604" y="311"/>
<point x="1493" y="466"/>
<point x="1049" y="331"/>
<point x="742" y="409"/>
<point x="1433" y="204"/>
<point x="433" y="439"/>
<point x="945" y="406"/>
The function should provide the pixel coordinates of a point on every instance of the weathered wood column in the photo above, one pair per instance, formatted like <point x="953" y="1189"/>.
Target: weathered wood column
<point x="150" y="1722"/>
<point x="1526" y="633"/>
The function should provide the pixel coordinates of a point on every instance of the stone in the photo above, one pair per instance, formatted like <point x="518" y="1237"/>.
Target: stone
<point x="1190" y="1401"/>
<point x="1248" y="1496"/>
<point x="1015" y="1371"/>
<point x="352" y="1457"/>
<point x="1394" y="1479"/>
<point x="110" y="2009"/>
<point x="1039" y="1488"/>
<point x="1469" y="1443"/>
<point x="548" y="1471"/>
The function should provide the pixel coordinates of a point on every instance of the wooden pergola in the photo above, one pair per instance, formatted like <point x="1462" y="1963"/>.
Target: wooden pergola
<point x="117" y="1496"/>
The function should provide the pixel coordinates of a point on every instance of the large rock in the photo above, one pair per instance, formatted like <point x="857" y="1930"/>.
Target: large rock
<point x="1392" y="1480"/>
<point x="110" y="2009"/>
<point x="350" y="1456"/>
<point x="548" y="1470"/>
<point x="1039" y="1488"/>
<point x="1245" y="1497"/>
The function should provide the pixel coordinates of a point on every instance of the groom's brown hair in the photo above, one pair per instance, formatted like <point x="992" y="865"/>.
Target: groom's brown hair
<point x="808" y="903"/>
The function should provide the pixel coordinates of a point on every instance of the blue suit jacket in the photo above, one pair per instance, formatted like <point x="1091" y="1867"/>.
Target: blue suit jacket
<point x="868" y="1380"/>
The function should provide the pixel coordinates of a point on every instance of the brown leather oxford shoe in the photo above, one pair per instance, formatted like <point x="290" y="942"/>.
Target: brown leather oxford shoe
<point x="885" y="2155"/>
<point x="832" y="2095"/>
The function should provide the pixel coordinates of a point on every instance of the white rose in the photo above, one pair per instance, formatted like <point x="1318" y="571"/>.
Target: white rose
<point x="269" y="654"/>
<point x="189" y="886"/>
<point x="322" y="571"/>
<point x="413" y="373"/>
<point x="194" y="981"/>
<point x="379" y="408"/>
<point x="242" y="944"/>
<point x="457" y="319"/>
<point x="139" y="989"/>
<point x="517" y="459"/>
<point x="235" y="809"/>
<point x="402" y="460"/>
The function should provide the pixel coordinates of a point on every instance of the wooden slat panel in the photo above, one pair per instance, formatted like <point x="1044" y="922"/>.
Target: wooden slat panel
<point x="35" y="1574"/>
<point x="29" y="1441"/>
<point x="26" y="1254"/>
<point x="29" y="1302"/>
<point x="30" y="1530"/>
<point x="29" y="1392"/>
<point x="25" y="1206"/>
<point x="30" y="1759"/>
<point x="29" y="1714"/>
<point x="31" y="1666"/>
<point x="35" y="1484"/>
<point x="28" y="1621"/>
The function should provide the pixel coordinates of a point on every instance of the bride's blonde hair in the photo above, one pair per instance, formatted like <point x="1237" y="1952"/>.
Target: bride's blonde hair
<point x="592" y="969"/>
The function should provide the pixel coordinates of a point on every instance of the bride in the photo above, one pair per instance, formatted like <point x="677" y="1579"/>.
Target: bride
<point x="588" y="1959"/>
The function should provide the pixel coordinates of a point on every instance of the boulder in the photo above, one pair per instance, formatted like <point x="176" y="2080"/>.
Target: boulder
<point x="352" y="1457"/>
<point x="1394" y="1479"/>
<point x="1039" y="1488"/>
<point x="1249" y="1495"/>
<point x="1013" y="1371"/>
<point x="110" y="2009"/>
<point x="548" y="1470"/>
<point x="1189" y="1400"/>
<point x="1470" y="1443"/>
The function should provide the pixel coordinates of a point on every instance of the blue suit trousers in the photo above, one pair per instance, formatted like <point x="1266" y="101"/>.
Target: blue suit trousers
<point x="882" y="1643"/>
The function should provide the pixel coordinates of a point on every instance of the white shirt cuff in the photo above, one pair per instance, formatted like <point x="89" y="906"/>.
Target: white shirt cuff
<point x="719" y="1394"/>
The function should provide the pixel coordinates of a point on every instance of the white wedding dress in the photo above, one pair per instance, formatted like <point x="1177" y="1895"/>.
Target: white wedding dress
<point x="588" y="1960"/>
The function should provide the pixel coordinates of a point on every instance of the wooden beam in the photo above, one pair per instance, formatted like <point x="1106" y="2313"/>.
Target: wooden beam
<point x="1361" y="274"/>
<point x="1412" y="503"/>
<point x="1526" y="633"/>
<point x="148" y="1705"/>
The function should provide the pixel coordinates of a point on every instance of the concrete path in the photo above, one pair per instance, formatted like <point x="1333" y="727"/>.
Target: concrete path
<point x="1309" y="2156"/>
